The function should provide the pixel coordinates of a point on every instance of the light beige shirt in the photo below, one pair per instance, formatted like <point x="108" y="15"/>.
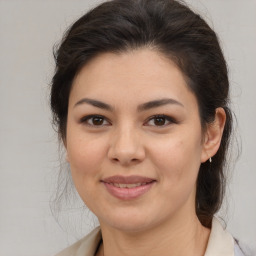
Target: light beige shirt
<point x="220" y="243"/>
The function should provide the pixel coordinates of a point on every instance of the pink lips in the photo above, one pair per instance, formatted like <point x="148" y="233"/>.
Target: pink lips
<point x="129" y="187"/>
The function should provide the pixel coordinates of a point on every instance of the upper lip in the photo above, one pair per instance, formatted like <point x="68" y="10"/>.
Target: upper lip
<point x="128" y="179"/>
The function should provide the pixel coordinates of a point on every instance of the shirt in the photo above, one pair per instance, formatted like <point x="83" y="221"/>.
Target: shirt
<point x="220" y="243"/>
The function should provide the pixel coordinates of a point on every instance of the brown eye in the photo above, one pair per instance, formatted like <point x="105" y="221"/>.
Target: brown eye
<point x="95" y="120"/>
<point x="159" y="121"/>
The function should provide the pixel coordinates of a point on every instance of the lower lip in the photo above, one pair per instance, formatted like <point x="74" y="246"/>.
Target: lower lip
<point x="128" y="193"/>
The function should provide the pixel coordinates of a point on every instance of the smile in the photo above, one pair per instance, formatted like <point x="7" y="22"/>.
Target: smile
<point x="128" y="188"/>
<point x="119" y="185"/>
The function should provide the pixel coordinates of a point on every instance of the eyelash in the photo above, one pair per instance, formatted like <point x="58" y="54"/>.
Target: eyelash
<point x="169" y="119"/>
<point x="165" y="117"/>
<point x="87" y="118"/>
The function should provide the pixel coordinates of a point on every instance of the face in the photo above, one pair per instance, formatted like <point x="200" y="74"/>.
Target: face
<point x="134" y="140"/>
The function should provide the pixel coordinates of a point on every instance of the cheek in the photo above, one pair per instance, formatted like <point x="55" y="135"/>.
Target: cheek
<point x="177" y="166"/>
<point x="85" y="159"/>
<point x="178" y="161"/>
<point x="85" y="154"/>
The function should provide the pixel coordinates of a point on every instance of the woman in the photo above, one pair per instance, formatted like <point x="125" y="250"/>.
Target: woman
<point x="140" y="99"/>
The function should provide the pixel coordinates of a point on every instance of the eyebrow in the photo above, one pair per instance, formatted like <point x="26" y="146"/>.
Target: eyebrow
<point x="143" y="107"/>
<point x="158" y="103"/>
<point x="95" y="103"/>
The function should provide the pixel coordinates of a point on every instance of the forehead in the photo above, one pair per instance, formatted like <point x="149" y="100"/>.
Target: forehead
<point x="141" y="74"/>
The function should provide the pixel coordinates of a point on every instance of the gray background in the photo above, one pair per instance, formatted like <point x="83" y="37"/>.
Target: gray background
<point x="29" y="160"/>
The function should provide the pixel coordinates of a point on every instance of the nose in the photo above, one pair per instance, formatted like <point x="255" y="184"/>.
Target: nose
<point x="126" y="147"/>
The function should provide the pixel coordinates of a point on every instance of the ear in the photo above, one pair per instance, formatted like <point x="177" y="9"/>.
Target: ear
<point x="213" y="135"/>
<point x="67" y="158"/>
<point x="64" y="141"/>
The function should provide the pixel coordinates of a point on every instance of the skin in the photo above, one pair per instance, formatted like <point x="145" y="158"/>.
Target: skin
<point x="130" y="142"/>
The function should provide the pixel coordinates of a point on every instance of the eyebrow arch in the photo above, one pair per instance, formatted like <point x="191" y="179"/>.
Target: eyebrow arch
<point x="143" y="107"/>
<point x="95" y="103"/>
<point x="158" y="103"/>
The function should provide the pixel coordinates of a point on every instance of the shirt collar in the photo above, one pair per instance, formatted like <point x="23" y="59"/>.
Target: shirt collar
<point x="220" y="242"/>
<point x="90" y="243"/>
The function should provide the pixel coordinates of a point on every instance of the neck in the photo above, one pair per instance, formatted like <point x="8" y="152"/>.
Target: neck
<point x="176" y="237"/>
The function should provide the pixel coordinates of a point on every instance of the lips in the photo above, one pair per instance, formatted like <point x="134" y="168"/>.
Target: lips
<point x="122" y="185"/>
<point x="128" y="187"/>
<point x="127" y="179"/>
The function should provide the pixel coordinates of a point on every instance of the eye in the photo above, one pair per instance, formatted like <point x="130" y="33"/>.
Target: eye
<point x="95" y="120"/>
<point x="160" y="120"/>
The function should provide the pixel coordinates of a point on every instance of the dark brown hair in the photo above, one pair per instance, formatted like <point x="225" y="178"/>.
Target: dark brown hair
<point x="177" y="32"/>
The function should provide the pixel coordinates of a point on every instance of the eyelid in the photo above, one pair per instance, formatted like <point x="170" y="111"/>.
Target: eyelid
<point x="84" y="120"/>
<point x="171" y="120"/>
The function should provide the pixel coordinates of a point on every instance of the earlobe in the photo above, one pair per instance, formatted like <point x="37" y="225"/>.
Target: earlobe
<point x="67" y="158"/>
<point x="65" y="145"/>
<point x="213" y="135"/>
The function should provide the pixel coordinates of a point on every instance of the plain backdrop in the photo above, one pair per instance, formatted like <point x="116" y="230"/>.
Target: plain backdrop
<point x="29" y="160"/>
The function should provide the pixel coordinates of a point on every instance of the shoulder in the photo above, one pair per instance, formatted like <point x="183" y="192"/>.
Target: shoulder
<point x="84" y="247"/>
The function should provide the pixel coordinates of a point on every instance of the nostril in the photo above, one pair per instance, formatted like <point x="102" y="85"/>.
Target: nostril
<point x="127" y="161"/>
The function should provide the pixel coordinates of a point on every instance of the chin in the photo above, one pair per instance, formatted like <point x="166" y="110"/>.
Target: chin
<point x="132" y="222"/>
<point x="134" y="226"/>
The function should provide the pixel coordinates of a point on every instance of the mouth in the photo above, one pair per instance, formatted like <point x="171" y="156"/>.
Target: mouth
<point x="120" y="185"/>
<point x="127" y="188"/>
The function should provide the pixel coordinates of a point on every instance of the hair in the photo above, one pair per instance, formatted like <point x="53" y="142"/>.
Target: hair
<point x="175" y="31"/>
